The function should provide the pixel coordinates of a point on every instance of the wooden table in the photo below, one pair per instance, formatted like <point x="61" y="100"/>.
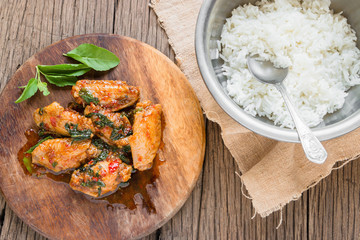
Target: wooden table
<point x="216" y="209"/>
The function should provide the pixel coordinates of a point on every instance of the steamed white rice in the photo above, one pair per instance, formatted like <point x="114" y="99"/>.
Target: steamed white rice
<point x="318" y="46"/>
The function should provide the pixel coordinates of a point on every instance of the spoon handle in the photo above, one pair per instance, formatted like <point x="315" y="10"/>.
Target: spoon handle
<point x="313" y="149"/>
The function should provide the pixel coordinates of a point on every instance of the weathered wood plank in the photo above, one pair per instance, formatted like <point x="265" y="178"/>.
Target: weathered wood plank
<point x="26" y="27"/>
<point x="14" y="228"/>
<point x="19" y="41"/>
<point x="226" y="214"/>
<point x="135" y="19"/>
<point x="334" y="205"/>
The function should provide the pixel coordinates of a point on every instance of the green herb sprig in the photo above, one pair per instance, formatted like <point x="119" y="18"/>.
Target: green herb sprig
<point x="117" y="132"/>
<point x="40" y="142"/>
<point x="103" y="120"/>
<point x="87" y="96"/>
<point x="90" y="57"/>
<point x="76" y="134"/>
<point x="102" y="156"/>
<point x="28" y="164"/>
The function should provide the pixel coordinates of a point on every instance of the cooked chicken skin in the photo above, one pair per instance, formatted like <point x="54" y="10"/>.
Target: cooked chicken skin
<point x="110" y="94"/>
<point x="111" y="127"/>
<point x="103" y="146"/>
<point x="146" y="139"/>
<point x="54" y="118"/>
<point x="99" y="178"/>
<point x="63" y="154"/>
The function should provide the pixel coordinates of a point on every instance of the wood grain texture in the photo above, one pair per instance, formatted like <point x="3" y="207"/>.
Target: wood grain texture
<point x="328" y="211"/>
<point x="53" y="208"/>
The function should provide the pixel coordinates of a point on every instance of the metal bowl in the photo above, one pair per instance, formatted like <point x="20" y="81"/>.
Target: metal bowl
<point x="208" y="30"/>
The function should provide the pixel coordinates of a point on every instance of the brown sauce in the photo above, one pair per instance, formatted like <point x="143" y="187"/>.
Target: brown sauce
<point x="138" y="191"/>
<point x="37" y="171"/>
<point x="135" y="193"/>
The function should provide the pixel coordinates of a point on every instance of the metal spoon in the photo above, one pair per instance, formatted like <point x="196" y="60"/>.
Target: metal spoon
<point x="266" y="72"/>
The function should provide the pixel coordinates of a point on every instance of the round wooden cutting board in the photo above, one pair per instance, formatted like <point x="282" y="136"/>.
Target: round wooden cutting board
<point x="58" y="212"/>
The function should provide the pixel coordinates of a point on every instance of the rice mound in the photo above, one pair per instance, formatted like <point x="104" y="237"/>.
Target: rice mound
<point x="318" y="46"/>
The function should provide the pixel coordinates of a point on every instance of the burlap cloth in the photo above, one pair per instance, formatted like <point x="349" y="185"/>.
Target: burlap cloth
<point x="273" y="172"/>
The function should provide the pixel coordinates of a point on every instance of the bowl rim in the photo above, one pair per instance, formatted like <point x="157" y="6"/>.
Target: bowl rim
<point x="236" y="112"/>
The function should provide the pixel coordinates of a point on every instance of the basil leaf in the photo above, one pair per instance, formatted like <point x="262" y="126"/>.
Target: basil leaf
<point x="88" y="183"/>
<point x="124" y="159"/>
<point x="116" y="134"/>
<point x="27" y="163"/>
<point x="102" y="156"/>
<point x="100" y="183"/>
<point x="75" y="134"/>
<point x="91" y="57"/>
<point x="98" y="143"/>
<point x="64" y="69"/>
<point x="43" y="88"/>
<point x="103" y="120"/>
<point x="99" y="59"/>
<point x="126" y="148"/>
<point x="61" y="80"/>
<point x="36" y="145"/>
<point x="29" y="91"/>
<point x="88" y="97"/>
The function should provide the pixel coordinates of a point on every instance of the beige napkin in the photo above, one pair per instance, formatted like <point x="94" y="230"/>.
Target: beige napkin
<point x="273" y="172"/>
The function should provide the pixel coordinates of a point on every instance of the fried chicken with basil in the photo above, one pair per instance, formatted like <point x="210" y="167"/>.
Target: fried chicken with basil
<point x="101" y="175"/>
<point x="66" y="122"/>
<point x="109" y="94"/>
<point x="113" y="128"/>
<point x="62" y="154"/>
<point x="102" y="144"/>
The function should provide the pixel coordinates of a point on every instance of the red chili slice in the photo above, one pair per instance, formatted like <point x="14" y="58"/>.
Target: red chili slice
<point x="113" y="166"/>
<point x="53" y="121"/>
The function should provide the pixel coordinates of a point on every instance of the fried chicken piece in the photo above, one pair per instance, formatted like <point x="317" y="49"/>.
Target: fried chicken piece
<point x="146" y="139"/>
<point x="101" y="175"/>
<point x="54" y="118"/>
<point x="113" y="128"/>
<point x="110" y="94"/>
<point x="63" y="154"/>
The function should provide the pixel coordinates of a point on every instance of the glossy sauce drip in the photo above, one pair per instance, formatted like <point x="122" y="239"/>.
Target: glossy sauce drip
<point x="139" y="189"/>
<point x="135" y="193"/>
<point x="38" y="171"/>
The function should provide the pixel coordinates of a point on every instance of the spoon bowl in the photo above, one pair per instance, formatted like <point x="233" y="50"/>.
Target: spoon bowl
<point x="267" y="73"/>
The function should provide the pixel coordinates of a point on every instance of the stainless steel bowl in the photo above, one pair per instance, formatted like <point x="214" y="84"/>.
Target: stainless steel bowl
<point x="208" y="30"/>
